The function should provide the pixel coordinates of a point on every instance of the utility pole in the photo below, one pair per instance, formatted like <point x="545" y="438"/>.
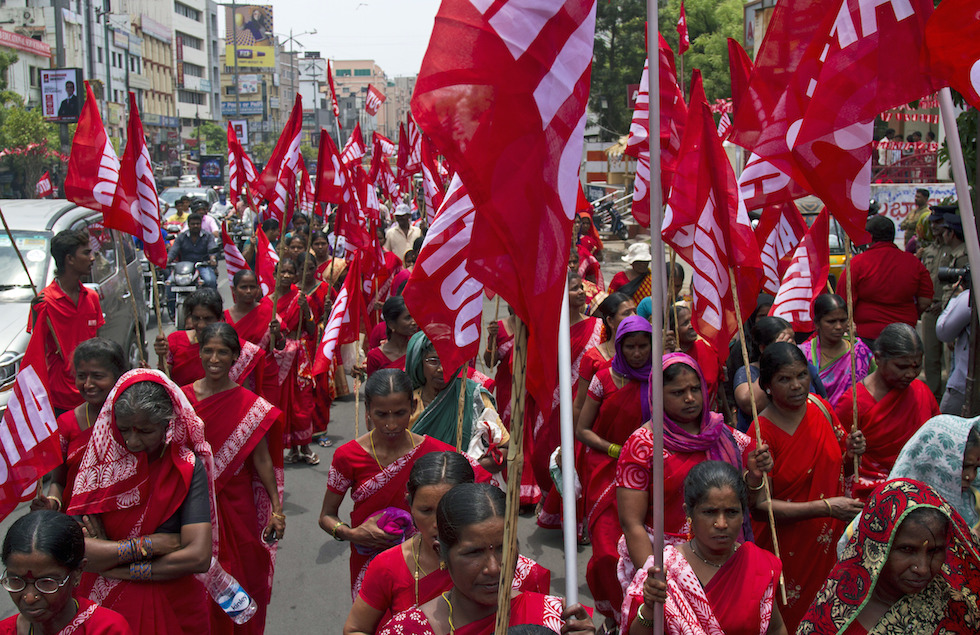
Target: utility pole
<point x="234" y="39"/>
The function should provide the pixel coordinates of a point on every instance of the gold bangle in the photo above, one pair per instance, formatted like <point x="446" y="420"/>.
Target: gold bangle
<point x="279" y="516"/>
<point x="335" y="528"/>
<point x="830" y="509"/>
<point x="756" y="489"/>
<point x="641" y="619"/>
<point x="57" y="500"/>
<point x="613" y="450"/>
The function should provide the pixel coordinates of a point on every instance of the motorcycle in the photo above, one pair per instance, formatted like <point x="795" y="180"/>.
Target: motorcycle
<point x="611" y="213"/>
<point x="183" y="280"/>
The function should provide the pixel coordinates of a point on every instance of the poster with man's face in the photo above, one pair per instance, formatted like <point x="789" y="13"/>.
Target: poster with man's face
<point x="62" y="93"/>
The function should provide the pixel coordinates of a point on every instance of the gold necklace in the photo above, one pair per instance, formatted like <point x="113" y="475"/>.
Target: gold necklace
<point x="375" y="452"/>
<point x="445" y="596"/>
<point x="419" y="572"/>
<point x="694" y="550"/>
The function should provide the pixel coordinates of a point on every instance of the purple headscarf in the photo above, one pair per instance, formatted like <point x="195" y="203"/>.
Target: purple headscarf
<point x="634" y="324"/>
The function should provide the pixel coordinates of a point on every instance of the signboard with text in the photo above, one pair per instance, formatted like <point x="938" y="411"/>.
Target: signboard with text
<point x="248" y="34"/>
<point x="61" y="99"/>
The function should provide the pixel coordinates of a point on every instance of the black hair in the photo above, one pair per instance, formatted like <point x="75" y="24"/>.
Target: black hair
<point x="437" y="468"/>
<point x="196" y="216"/>
<point x="300" y="216"/>
<point x="411" y="252"/>
<point x="270" y="224"/>
<point x="465" y="505"/>
<point x="65" y="243"/>
<point x="923" y="191"/>
<point x="608" y="308"/>
<point x="681" y="306"/>
<point x="301" y="259"/>
<point x="827" y="303"/>
<point x="897" y="340"/>
<point x="972" y="439"/>
<point x="297" y="235"/>
<point x="240" y="275"/>
<point x="709" y="475"/>
<point x="678" y="272"/>
<point x="674" y="371"/>
<point x="391" y="310"/>
<point x="387" y="381"/>
<point x="764" y="332"/>
<point x="224" y="332"/>
<point x="775" y="357"/>
<point x="529" y="629"/>
<point x="199" y="204"/>
<point x="49" y="532"/>
<point x="208" y="298"/>
<point x="318" y="235"/>
<point x="105" y="352"/>
<point x="573" y="275"/>
<point x="881" y="228"/>
<point x="287" y="261"/>
<point x="927" y="515"/>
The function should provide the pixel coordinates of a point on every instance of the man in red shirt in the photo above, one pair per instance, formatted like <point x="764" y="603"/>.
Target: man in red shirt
<point x="63" y="315"/>
<point x="889" y="284"/>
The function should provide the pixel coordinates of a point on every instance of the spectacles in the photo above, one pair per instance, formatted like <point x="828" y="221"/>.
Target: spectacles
<point x="16" y="584"/>
<point x="432" y="361"/>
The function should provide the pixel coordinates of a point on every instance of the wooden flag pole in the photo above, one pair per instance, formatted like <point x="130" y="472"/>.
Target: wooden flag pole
<point x="132" y="298"/>
<point x="357" y="393"/>
<point x="462" y="409"/>
<point x="672" y="299"/>
<point x="515" y="466"/>
<point x="852" y="336"/>
<point x="492" y="341"/>
<point x="302" y="280"/>
<point x="161" y="363"/>
<point x="758" y="429"/>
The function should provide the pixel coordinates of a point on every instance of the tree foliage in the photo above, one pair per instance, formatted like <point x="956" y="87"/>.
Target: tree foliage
<point x="215" y="137"/>
<point x="261" y="152"/>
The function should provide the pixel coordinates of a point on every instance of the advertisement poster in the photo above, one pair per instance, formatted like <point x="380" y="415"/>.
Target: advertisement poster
<point x="211" y="169"/>
<point x="62" y="92"/>
<point x="248" y="29"/>
<point x="240" y="126"/>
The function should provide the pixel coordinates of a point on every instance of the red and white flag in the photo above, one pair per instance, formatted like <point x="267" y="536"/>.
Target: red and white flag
<point x="344" y="323"/>
<point x="277" y="183"/>
<point x="780" y="230"/>
<point x="234" y="261"/>
<point x="354" y="148"/>
<point x="241" y="170"/>
<point x="44" y="188"/>
<point x="30" y="446"/>
<point x="724" y="125"/>
<point x="266" y="260"/>
<point x="307" y="205"/>
<point x="528" y="66"/>
<point x="387" y="145"/>
<point x="683" y="38"/>
<point x="333" y="96"/>
<point x="709" y="229"/>
<point x="443" y="297"/>
<point x="414" y="162"/>
<point x="86" y="185"/>
<point x="374" y="100"/>
<point x="953" y="40"/>
<point x="332" y="181"/>
<point x="135" y="207"/>
<point x="806" y="277"/>
<point x="431" y="182"/>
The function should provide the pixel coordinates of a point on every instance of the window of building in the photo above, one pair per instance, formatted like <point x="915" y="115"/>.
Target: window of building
<point x="188" y="97"/>
<point x="35" y="76"/>
<point x="188" y="12"/>
<point x="362" y="72"/>
<point x="193" y="70"/>
<point x="191" y="41"/>
<point x="99" y="53"/>
<point x="342" y="72"/>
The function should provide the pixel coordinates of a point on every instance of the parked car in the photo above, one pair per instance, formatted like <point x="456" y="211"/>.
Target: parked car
<point x="33" y="223"/>
<point x="189" y="180"/>
<point x="171" y="194"/>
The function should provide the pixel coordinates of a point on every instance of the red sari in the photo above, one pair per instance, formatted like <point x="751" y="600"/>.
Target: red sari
<point x="887" y="425"/>
<point x="808" y="466"/>
<point x="184" y="359"/>
<point x="254" y="328"/>
<point x="389" y="584"/>
<point x="295" y="374"/>
<point x="738" y="600"/>
<point x="234" y="422"/>
<point x="526" y="608"/>
<point x="503" y="386"/>
<point x="91" y="619"/>
<point x="73" y="442"/>
<point x="377" y="360"/>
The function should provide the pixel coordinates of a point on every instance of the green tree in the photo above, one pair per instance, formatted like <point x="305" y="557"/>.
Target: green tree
<point x="215" y="137"/>
<point x="309" y="153"/>
<point x="261" y="152"/>
<point x="709" y="25"/>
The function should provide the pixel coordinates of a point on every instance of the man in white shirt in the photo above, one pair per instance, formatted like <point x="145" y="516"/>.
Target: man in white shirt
<point x="401" y="236"/>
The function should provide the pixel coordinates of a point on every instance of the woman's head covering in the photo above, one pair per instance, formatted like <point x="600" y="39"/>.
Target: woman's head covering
<point x="950" y="600"/>
<point x="934" y="456"/>
<point x="630" y="325"/>
<point x="418" y="345"/>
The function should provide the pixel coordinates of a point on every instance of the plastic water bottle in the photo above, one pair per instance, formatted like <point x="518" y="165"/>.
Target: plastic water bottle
<point x="229" y="594"/>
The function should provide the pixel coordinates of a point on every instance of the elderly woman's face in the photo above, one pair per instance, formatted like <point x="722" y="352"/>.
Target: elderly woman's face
<point x="142" y="435"/>
<point x="716" y="521"/>
<point x="898" y="372"/>
<point x="916" y="557"/>
<point x="432" y="370"/>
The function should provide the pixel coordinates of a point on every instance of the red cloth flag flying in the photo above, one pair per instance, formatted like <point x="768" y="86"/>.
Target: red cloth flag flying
<point x="241" y="170"/>
<point x="762" y="184"/>
<point x="708" y="227"/>
<point x="306" y="202"/>
<point x="740" y="70"/>
<point x="266" y="260"/>
<point x="445" y="299"/>
<point x="431" y="182"/>
<point x="374" y="100"/>
<point x="30" y="446"/>
<point x="277" y="183"/>
<point x="806" y="276"/>
<point x="502" y="93"/>
<point x="383" y="178"/>
<point x="135" y="206"/>
<point x="780" y="230"/>
<point x="673" y="112"/>
<point x="386" y="144"/>
<point x="683" y="38"/>
<point x="343" y="324"/>
<point x="84" y="184"/>
<point x="332" y="181"/>
<point x="44" y="188"/>
<point x="333" y="96"/>
<point x="234" y="261"/>
<point x="953" y="40"/>
<point x="354" y="148"/>
<point x="414" y="162"/>
<point x="724" y="125"/>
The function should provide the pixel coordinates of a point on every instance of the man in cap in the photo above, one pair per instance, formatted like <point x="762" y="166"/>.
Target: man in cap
<point x="930" y="253"/>
<point x="401" y="236"/>
<point x="954" y="255"/>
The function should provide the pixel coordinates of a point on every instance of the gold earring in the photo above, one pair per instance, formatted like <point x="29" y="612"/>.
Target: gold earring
<point x="442" y="566"/>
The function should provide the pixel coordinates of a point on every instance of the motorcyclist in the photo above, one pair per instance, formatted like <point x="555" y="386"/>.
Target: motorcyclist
<point x="208" y="224"/>
<point x="181" y="211"/>
<point x="198" y="247"/>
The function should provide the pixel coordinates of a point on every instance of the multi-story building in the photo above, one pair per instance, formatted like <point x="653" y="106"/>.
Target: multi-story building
<point x="264" y="95"/>
<point x="399" y="103"/>
<point x="23" y="76"/>
<point x="192" y="60"/>
<point x="351" y="79"/>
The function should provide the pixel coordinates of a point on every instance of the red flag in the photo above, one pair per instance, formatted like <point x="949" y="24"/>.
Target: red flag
<point x="502" y="93"/>
<point x="266" y="260"/>
<point x="135" y="206"/>
<point x="740" y="70"/>
<point x="683" y="39"/>
<point x="414" y="162"/>
<point x="234" y="261"/>
<point x="333" y="96"/>
<point x="332" y="182"/>
<point x="709" y="229"/>
<point x="431" y="182"/>
<point x="29" y="443"/>
<point x="306" y="202"/>
<point x="806" y="276"/>
<point x="953" y="40"/>
<point x="277" y="183"/>
<point x="386" y="144"/>
<point x="442" y="296"/>
<point x="354" y="148"/>
<point x="780" y="230"/>
<point x="86" y="185"/>
<point x="241" y="170"/>
<point x="374" y="100"/>
<point x="44" y="188"/>
<point x="343" y="324"/>
<point x="762" y="184"/>
<point x="383" y="178"/>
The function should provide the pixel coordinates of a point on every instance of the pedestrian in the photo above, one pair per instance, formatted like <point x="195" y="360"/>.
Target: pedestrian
<point x="953" y="327"/>
<point x="198" y="247"/>
<point x="829" y="350"/>
<point x="931" y="256"/>
<point x="400" y="326"/>
<point x="634" y="281"/>
<point x="401" y="236"/>
<point x="918" y="217"/>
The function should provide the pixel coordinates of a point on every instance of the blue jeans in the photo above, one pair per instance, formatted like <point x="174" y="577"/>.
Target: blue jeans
<point x="208" y="276"/>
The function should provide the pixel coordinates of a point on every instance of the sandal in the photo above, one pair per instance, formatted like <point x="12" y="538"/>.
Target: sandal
<point x="324" y="442"/>
<point x="292" y="457"/>
<point x="309" y="459"/>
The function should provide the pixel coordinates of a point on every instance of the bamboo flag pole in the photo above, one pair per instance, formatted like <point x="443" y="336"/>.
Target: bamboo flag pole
<point x="673" y="300"/>
<point x="161" y="363"/>
<point x="758" y="429"/>
<point x="302" y="280"/>
<point x="461" y="378"/>
<point x="132" y="298"/>
<point x="492" y="341"/>
<point x="357" y="393"/>
<point x="515" y="466"/>
<point x="853" y="342"/>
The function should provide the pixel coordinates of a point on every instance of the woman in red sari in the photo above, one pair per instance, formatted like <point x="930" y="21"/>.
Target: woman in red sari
<point x="320" y="297"/>
<point x="252" y="317"/>
<point x="892" y="404"/>
<point x="470" y="518"/>
<point x="98" y="364"/>
<point x="616" y="406"/>
<point x="43" y="556"/>
<point x="808" y="496"/>
<point x="145" y="492"/>
<point x="585" y="333"/>
<point x="375" y="467"/>
<point x="244" y="430"/>
<point x="400" y="326"/>
<point x="699" y="349"/>
<point x="409" y="574"/>
<point x="612" y="309"/>
<point x="716" y="583"/>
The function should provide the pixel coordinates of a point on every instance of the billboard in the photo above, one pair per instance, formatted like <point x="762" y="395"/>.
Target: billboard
<point x="62" y="93"/>
<point x="211" y="169"/>
<point x="250" y="27"/>
<point x="248" y="84"/>
<point x="240" y="126"/>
